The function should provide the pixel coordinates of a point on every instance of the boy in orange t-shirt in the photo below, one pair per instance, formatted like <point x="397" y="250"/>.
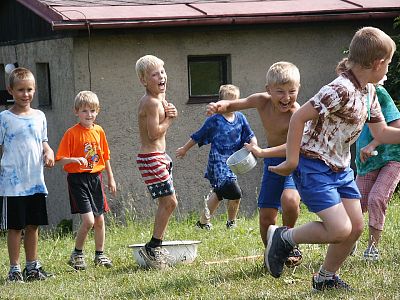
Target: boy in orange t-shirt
<point x="84" y="153"/>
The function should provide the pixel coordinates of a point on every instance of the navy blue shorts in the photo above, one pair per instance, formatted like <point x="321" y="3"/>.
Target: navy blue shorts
<point x="273" y="185"/>
<point x="86" y="193"/>
<point x="320" y="187"/>
<point x="230" y="190"/>
<point x="18" y="212"/>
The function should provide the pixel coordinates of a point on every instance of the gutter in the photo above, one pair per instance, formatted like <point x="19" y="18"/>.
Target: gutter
<point x="221" y="20"/>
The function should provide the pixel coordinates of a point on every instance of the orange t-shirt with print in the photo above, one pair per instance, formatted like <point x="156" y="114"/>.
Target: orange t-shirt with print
<point x="90" y="143"/>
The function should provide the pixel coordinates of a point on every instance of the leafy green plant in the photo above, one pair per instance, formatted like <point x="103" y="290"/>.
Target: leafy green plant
<point x="392" y="84"/>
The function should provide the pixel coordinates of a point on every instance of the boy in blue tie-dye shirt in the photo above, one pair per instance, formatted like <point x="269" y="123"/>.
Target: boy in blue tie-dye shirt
<point x="226" y="133"/>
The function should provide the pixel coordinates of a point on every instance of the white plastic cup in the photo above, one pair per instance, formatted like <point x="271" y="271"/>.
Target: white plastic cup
<point x="374" y="153"/>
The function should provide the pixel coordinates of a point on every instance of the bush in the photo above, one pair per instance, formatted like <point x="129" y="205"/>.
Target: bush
<point x="392" y="84"/>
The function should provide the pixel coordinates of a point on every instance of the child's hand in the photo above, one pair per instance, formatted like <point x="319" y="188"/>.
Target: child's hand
<point x="283" y="169"/>
<point x="367" y="152"/>
<point x="80" y="160"/>
<point x="48" y="158"/>
<point x="253" y="149"/>
<point x="212" y="108"/>
<point x="170" y="110"/>
<point x="112" y="187"/>
<point x="180" y="152"/>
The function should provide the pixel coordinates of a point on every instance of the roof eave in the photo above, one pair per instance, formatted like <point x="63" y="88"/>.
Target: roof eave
<point x="220" y="20"/>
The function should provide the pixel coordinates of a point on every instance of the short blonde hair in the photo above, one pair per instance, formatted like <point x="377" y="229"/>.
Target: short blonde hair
<point x="229" y="92"/>
<point x="282" y="72"/>
<point x="369" y="44"/>
<point x="20" y="74"/>
<point x="87" y="98"/>
<point x="146" y="63"/>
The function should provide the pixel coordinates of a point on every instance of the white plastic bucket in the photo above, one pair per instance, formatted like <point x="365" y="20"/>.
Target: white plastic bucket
<point x="182" y="251"/>
<point x="241" y="161"/>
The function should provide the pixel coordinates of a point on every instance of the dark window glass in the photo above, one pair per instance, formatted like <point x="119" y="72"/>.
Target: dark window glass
<point x="43" y="87"/>
<point x="206" y="74"/>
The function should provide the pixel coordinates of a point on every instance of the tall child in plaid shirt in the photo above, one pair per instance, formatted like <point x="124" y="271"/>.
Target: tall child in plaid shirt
<point x="226" y="133"/>
<point x="318" y="153"/>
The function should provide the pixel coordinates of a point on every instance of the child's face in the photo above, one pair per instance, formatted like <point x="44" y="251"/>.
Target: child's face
<point x="22" y="93"/>
<point x="381" y="68"/>
<point x="155" y="80"/>
<point x="86" y="116"/>
<point x="283" y="95"/>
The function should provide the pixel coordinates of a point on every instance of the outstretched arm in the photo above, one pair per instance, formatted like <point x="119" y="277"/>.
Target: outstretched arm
<point x="181" y="151"/>
<point x="295" y="133"/>
<point x="224" y="106"/>
<point x="278" y="151"/>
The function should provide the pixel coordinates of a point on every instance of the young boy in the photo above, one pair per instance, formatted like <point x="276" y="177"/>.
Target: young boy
<point x="84" y="153"/>
<point x="275" y="108"/>
<point x="318" y="144"/>
<point x="25" y="150"/>
<point x="155" y="116"/>
<point x="226" y="133"/>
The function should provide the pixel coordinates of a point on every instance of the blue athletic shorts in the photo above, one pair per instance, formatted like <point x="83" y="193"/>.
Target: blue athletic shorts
<point x="320" y="187"/>
<point x="272" y="185"/>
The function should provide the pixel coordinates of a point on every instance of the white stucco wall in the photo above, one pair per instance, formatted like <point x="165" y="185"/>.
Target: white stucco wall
<point x="314" y="48"/>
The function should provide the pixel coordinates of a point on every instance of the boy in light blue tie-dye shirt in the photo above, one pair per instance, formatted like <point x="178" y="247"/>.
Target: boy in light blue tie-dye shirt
<point x="25" y="151"/>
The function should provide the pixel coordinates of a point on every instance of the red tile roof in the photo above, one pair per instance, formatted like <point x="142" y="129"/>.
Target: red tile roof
<point x="76" y="14"/>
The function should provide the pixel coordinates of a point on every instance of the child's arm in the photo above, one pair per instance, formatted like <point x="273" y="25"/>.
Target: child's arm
<point x="278" y="151"/>
<point x="295" y="133"/>
<point x="112" y="187"/>
<point x="223" y="106"/>
<point x="68" y="160"/>
<point x="155" y="128"/>
<point x="367" y="151"/>
<point x="384" y="134"/>
<point x="48" y="155"/>
<point x="181" y="151"/>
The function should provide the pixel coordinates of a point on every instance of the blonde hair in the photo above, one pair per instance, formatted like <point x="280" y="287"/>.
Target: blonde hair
<point x="282" y="72"/>
<point x="229" y="92"/>
<point x="87" y="98"/>
<point x="146" y="63"/>
<point x="20" y="74"/>
<point x="368" y="45"/>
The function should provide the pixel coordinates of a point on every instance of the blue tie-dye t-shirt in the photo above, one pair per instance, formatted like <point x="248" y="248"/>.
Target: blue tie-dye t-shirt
<point x="225" y="138"/>
<point x="21" y="167"/>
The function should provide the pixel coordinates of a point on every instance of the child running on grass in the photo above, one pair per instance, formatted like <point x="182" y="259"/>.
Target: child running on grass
<point x="155" y="116"/>
<point x="275" y="108"/>
<point x="84" y="153"/>
<point x="24" y="151"/>
<point x="318" y="153"/>
<point x="377" y="176"/>
<point x="226" y="133"/>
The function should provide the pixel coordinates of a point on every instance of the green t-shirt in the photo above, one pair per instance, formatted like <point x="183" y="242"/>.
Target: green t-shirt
<point x="386" y="152"/>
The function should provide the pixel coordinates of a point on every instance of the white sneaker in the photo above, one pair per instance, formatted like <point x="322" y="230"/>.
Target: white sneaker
<point x="371" y="254"/>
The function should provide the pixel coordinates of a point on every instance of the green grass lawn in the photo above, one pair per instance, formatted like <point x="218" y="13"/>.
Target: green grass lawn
<point x="235" y="279"/>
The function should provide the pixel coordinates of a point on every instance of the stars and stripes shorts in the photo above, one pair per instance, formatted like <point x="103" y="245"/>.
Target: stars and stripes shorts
<point x="156" y="171"/>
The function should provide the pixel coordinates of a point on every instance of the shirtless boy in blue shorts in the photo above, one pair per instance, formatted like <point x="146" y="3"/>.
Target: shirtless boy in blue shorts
<point x="275" y="108"/>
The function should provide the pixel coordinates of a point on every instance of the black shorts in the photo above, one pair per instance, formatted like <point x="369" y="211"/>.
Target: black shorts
<point x="230" y="190"/>
<point x="86" y="193"/>
<point x="18" y="212"/>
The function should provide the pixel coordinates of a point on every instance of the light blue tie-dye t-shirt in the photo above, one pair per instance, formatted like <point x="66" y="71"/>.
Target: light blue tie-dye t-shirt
<point x="21" y="167"/>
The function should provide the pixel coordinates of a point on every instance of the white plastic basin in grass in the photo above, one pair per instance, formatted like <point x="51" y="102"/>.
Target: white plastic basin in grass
<point x="182" y="251"/>
<point x="241" y="162"/>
